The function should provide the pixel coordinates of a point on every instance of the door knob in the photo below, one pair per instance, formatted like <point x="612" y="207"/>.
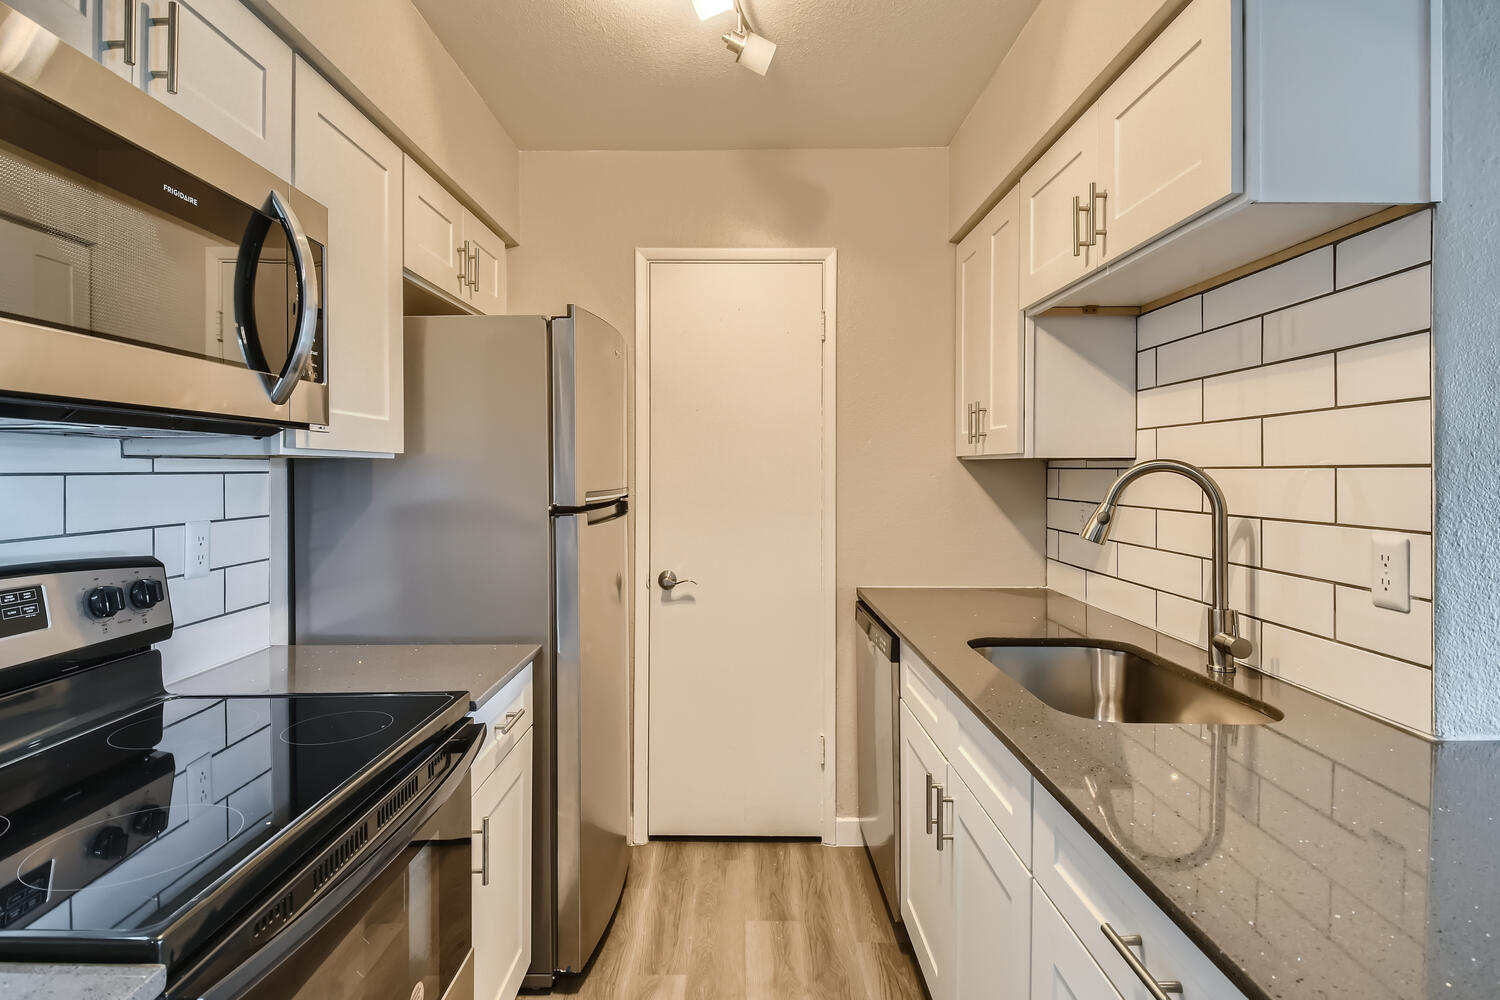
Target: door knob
<point x="667" y="580"/>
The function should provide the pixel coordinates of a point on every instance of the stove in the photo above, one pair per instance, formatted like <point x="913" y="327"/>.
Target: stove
<point x="213" y="835"/>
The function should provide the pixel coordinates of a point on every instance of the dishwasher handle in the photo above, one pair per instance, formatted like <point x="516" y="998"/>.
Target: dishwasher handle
<point x="880" y="637"/>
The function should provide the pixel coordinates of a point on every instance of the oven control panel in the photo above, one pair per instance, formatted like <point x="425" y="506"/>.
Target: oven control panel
<point x="63" y="609"/>
<point x="22" y="609"/>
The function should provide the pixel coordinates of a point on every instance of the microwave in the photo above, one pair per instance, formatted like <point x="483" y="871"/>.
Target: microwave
<point x="151" y="276"/>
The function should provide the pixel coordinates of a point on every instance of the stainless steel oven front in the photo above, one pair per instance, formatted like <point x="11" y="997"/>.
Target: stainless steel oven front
<point x="150" y="275"/>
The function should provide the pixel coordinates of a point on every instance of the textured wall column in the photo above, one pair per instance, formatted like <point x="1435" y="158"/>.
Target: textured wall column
<point x="1466" y="346"/>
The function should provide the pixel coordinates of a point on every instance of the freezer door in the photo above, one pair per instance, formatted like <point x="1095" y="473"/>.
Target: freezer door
<point x="593" y="742"/>
<point x="588" y="408"/>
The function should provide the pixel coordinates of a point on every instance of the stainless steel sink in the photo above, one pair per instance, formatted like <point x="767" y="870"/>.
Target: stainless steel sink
<point x="1114" y="685"/>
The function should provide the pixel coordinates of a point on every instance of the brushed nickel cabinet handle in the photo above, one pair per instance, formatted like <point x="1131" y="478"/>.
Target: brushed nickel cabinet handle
<point x="1100" y="200"/>
<point x="1078" y="243"/>
<point x="979" y="421"/>
<point x="484" y="852"/>
<point x="172" y="44"/>
<point x="971" y="423"/>
<point x="1123" y="944"/>
<point x="463" y="256"/>
<point x="511" y="720"/>
<point x="127" y="42"/>
<point x="927" y="803"/>
<point x="943" y="836"/>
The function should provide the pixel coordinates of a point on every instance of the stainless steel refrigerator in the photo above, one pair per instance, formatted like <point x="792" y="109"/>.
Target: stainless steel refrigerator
<point x="504" y="521"/>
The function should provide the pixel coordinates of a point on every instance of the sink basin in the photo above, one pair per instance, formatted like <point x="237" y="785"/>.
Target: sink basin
<point x="1115" y="685"/>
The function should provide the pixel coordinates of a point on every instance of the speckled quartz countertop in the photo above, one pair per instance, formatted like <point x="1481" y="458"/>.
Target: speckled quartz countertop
<point x="82" y="982"/>
<point x="1357" y="861"/>
<point x="480" y="670"/>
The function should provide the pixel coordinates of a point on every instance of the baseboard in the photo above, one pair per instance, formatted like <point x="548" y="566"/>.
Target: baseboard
<point x="846" y="831"/>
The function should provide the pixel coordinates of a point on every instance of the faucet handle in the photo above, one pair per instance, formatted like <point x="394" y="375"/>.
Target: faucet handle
<point x="1236" y="646"/>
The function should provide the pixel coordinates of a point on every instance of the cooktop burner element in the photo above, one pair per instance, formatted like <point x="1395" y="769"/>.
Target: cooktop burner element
<point x="337" y="727"/>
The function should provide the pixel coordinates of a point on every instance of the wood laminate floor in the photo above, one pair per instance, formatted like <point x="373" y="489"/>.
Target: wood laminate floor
<point x="749" y="920"/>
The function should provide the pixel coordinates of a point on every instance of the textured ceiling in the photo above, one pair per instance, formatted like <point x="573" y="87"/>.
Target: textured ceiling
<point x="647" y="74"/>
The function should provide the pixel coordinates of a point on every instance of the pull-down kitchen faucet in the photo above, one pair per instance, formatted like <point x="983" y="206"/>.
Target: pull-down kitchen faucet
<point x="1225" y="644"/>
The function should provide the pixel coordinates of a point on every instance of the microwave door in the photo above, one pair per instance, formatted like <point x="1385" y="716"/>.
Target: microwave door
<point x="276" y="297"/>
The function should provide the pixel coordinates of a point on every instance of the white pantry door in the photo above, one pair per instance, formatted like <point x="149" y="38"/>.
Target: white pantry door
<point x="736" y="504"/>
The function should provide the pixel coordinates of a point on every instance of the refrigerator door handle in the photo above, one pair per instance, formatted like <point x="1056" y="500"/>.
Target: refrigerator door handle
<point x="617" y="509"/>
<point x="595" y="501"/>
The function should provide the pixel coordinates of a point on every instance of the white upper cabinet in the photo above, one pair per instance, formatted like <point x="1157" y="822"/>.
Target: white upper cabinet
<point x="1170" y="129"/>
<point x="449" y="249"/>
<point x="74" y="21"/>
<point x="220" y="67"/>
<point x="1058" y="244"/>
<point x="355" y="171"/>
<point x="989" y="354"/>
<point x="98" y="27"/>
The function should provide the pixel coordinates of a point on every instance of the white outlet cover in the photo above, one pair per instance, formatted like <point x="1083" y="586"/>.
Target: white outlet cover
<point x="1390" y="572"/>
<point x="196" y="556"/>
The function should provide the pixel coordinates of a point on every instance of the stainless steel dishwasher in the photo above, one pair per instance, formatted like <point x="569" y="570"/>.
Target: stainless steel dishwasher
<point x="877" y="670"/>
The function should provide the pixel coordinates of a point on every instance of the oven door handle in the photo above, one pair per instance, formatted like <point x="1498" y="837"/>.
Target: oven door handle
<point x="205" y="981"/>
<point x="280" y="386"/>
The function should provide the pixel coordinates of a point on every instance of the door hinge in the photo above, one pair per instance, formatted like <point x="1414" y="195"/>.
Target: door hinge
<point x="822" y="751"/>
<point x="823" y="327"/>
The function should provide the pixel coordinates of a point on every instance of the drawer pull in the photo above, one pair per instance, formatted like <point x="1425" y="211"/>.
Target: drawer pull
<point x="483" y="833"/>
<point x="943" y="836"/>
<point x="511" y="720"/>
<point x="928" y="803"/>
<point x="1157" y="988"/>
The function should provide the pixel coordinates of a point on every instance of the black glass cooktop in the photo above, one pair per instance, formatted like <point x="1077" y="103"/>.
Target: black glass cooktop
<point x="117" y="830"/>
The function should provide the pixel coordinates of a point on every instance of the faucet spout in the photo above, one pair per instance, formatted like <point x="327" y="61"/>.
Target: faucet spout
<point x="1225" y="642"/>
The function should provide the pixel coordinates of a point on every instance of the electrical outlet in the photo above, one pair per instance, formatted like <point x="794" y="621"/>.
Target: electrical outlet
<point x="196" y="558"/>
<point x="200" y="775"/>
<point x="1390" y="572"/>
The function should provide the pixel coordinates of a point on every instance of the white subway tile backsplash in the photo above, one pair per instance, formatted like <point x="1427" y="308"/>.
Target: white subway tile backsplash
<point x="247" y="585"/>
<point x="31" y="506"/>
<point x="171" y="548"/>
<point x="1343" y="555"/>
<point x="1386" y="498"/>
<point x="64" y="453"/>
<point x="1395" y="247"/>
<point x="1231" y="443"/>
<point x="1300" y="494"/>
<point x="196" y="599"/>
<point x="1173" y="322"/>
<point x="1392" y="689"/>
<point x="243" y="541"/>
<point x="1307" y="384"/>
<point x="1389" y="307"/>
<point x="1161" y="570"/>
<point x="1120" y="597"/>
<point x="1391" y="369"/>
<point x="1311" y="407"/>
<point x="96" y="546"/>
<point x="1066" y="580"/>
<point x="1407" y="635"/>
<point x="215" y="641"/>
<point x="1221" y="350"/>
<point x="247" y="495"/>
<point x="100" y="503"/>
<point x="1390" y="433"/>
<point x="1145" y="369"/>
<point x="1296" y="280"/>
<point x="1174" y="404"/>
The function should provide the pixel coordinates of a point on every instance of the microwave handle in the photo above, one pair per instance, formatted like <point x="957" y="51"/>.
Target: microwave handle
<point x="280" y="387"/>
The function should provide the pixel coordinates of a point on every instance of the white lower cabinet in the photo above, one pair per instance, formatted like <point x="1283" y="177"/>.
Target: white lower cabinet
<point x="1061" y="967"/>
<point x="1003" y="893"/>
<point x="502" y="880"/>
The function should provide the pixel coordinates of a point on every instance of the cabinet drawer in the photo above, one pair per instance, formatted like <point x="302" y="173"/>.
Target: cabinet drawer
<point x="506" y="718"/>
<point x="927" y="699"/>
<point x="1090" y="890"/>
<point x="998" y="781"/>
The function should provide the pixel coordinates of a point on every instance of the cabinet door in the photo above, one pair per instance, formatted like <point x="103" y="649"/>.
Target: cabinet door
<point x="991" y="904"/>
<point x="71" y="20"/>
<point x="487" y="252"/>
<point x="233" y="75"/>
<point x="926" y="899"/>
<point x="435" y="250"/>
<point x="502" y="908"/>
<point x="972" y="343"/>
<point x="1001" y="407"/>
<point x="1170" y="135"/>
<point x="354" y="170"/>
<point x="1061" y="967"/>
<point x="1050" y="228"/>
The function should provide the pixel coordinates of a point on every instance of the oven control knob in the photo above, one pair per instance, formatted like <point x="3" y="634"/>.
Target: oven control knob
<point x="146" y="594"/>
<point x="109" y="843"/>
<point x="150" y="821"/>
<point x="106" y="602"/>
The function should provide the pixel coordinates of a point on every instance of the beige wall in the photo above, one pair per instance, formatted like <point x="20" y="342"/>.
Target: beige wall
<point x="384" y="56"/>
<point x="908" y="512"/>
<point x="1065" y="56"/>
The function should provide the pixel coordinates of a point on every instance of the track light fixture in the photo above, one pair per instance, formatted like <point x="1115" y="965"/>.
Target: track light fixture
<point x="752" y="51"/>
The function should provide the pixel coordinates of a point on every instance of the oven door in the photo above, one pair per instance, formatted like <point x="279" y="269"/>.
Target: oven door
<point x="144" y="265"/>
<point x="398" y="928"/>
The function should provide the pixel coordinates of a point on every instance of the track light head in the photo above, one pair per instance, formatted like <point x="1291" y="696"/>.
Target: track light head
<point x="712" y="8"/>
<point x="750" y="50"/>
